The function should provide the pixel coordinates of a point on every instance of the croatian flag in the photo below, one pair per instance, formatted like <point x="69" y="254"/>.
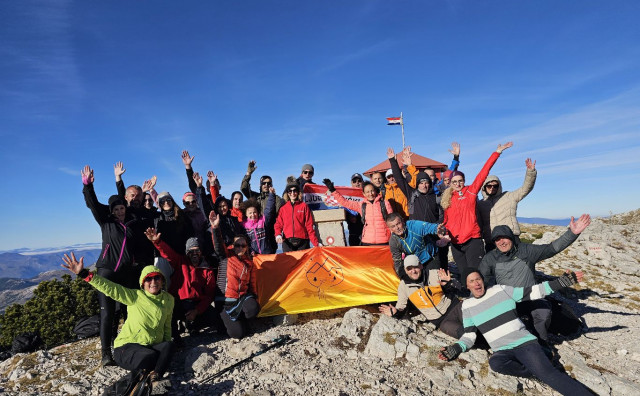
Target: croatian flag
<point x="394" y="120"/>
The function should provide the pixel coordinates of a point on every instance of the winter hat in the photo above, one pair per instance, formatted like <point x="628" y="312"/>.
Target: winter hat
<point x="188" y="194"/>
<point x="389" y="173"/>
<point x="356" y="176"/>
<point x="457" y="173"/>
<point x="165" y="194"/>
<point x="447" y="175"/>
<point x="411" y="261"/>
<point x="307" y="167"/>
<point x="191" y="243"/>
<point x="114" y="201"/>
<point x="422" y="176"/>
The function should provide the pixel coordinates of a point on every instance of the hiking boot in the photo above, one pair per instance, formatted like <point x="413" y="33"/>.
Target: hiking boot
<point x="107" y="358"/>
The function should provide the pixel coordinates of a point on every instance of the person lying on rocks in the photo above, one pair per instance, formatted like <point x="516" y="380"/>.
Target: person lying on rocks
<point x="144" y="344"/>
<point x="430" y="292"/>
<point x="516" y="352"/>
<point x="512" y="263"/>
<point x="192" y="284"/>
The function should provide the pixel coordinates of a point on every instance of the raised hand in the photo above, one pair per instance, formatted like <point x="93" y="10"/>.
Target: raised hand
<point x="198" y="179"/>
<point x="72" y="264"/>
<point x="455" y="149"/>
<point x="214" y="219"/>
<point x="406" y="156"/>
<point x="152" y="234"/>
<point x="149" y="184"/>
<point x="531" y="165"/>
<point x="578" y="226"/>
<point x="251" y="167"/>
<point x="445" y="276"/>
<point x="391" y="153"/>
<point x="187" y="159"/>
<point x="212" y="177"/>
<point x="272" y="190"/>
<point x="502" y="147"/>
<point x="118" y="170"/>
<point x="87" y="175"/>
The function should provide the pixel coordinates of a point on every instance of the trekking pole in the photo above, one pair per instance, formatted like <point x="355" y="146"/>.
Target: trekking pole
<point x="276" y="342"/>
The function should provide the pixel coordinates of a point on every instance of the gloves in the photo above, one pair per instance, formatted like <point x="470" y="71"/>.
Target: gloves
<point x="566" y="280"/>
<point x="329" y="184"/>
<point x="251" y="167"/>
<point x="452" y="351"/>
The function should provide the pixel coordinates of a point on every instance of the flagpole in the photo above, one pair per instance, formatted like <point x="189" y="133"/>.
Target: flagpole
<point x="402" y="125"/>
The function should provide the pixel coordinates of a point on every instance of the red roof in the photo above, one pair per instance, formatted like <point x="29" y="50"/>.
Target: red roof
<point x="418" y="161"/>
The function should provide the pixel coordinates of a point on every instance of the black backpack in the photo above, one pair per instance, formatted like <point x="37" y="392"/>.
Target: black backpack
<point x="564" y="320"/>
<point x="26" y="342"/>
<point x="383" y="208"/>
<point x="132" y="384"/>
<point x="86" y="327"/>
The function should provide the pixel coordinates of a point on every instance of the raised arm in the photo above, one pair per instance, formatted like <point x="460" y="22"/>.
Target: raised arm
<point x="111" y="289"/>
<point x="484" y="172"/>
<point x="455" y="151"/>
<point x="187" y="160"/>
<point x="245" y="186"/>
<point x="529" y="181"/>
<point x="213" y="186"/>
<point x="218" y="241"/>
<point x="397" y="173"/>
<point x="99" y="211"/>
<point x="165" y="250"/>
<point x="345" y="203"/>
<point x="537" y="253"/>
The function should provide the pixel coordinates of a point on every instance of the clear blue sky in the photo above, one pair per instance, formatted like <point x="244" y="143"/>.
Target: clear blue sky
<point x="290" y="82"/>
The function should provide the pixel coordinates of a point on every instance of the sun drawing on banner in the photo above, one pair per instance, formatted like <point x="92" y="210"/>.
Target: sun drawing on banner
<point x="325" y="275"/>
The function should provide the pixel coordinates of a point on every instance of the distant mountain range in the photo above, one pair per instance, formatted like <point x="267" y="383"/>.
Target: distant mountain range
<point x="540" y="220"/>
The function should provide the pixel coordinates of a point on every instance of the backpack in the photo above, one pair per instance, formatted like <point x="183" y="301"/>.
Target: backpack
<point x="25" y="342"/>
<point x="383" y="208"/>
<point x="564" y="320"/>
<point x="132" y="384"/>
<point x="86" y="327"/>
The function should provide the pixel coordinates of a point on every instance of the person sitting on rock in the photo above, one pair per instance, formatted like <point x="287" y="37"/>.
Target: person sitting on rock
<point x="144" y="344"/>
<point x="515" y="351"/>
<point x="192" y="283"/>
<point x="427" y="290"/>
<point x="237" y="280"/>
<point x="512" y="263"/>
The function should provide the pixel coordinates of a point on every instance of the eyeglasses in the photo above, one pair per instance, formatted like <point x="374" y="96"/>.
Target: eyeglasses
<point x="391" y="177"/>
<point x="491" y="186"/>
<point x="356" y="181"/>
<point x="308" y="172"/>
<point x="267" y="183"/>
<point x="193" y="251"/>
<point x="190" y="203"/>
<point x="163" y="201"/>
<point x="293" y="190"/>
<point x="148" y="200"/>
<point x="156" y="278"/>
<point x="457" y="182"/>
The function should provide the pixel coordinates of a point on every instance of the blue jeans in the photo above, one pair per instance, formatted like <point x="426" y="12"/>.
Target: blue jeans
<point x="529" y="360"/>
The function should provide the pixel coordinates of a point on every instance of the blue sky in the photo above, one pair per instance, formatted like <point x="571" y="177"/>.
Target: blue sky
<point x="291" y="82"/>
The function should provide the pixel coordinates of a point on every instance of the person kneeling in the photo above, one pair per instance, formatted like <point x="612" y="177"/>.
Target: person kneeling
<point x="427" y="290"/>
<point x="516" y="351"/>
<point x="144" y="344"/>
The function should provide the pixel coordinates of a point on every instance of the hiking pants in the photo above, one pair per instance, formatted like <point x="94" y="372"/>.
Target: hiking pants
<point x="467" y="257"/>
<point x="238" y="328"/>
<point x="139" y="357"/>
<point x="529" y="360"/>
<point x="540" y="313"/>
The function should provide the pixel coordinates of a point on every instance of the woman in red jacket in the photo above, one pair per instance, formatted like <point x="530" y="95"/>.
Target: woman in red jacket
<point x="238" y="280"/>
<point x="294" y="225"/>
<point x="374" y="210"/>
<point x="459" y="204"/>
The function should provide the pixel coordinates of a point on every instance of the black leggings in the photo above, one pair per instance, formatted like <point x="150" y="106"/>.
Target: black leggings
<point x="140" y="357"/>
<point x="467" y="257"/>
<point x="238" y="328"/>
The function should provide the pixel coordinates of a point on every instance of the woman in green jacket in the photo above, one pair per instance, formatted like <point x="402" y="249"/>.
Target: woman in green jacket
<point x="144" y="343"/>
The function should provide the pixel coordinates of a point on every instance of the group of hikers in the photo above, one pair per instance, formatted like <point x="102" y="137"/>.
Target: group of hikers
<point x="174" y="270"/>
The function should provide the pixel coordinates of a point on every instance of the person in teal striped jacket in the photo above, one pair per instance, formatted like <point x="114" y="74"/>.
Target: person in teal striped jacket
<point x="515" y="351"/>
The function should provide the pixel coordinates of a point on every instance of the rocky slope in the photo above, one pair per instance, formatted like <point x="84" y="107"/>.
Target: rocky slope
<point x="357" y="352"/>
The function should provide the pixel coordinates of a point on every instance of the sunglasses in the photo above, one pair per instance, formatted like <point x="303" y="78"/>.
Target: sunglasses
<point x="491" y="186"/>
<point x="193" y="251"/>
<point x="307" y="172"/>
<point x="156" y="278"/>
<point x="190" y="203"/>
<point x="293" y="190"/>
<point x="390" y="177"/>
<point x="165" y="200"/>
<point x="148" y="200"/>
<point x="239" y="244"/>
<point x="266" y="183"/>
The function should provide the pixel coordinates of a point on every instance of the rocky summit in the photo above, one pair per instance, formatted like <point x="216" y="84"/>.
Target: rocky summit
<point x="359" y="352"/>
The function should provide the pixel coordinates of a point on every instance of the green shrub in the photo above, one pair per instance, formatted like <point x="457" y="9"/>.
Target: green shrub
<point x="52" y="312"/>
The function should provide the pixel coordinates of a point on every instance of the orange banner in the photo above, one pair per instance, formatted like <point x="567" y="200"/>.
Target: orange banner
<point x="324" y="278"/>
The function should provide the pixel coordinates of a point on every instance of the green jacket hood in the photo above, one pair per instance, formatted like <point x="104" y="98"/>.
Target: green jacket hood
<point x="149" y="269"/>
